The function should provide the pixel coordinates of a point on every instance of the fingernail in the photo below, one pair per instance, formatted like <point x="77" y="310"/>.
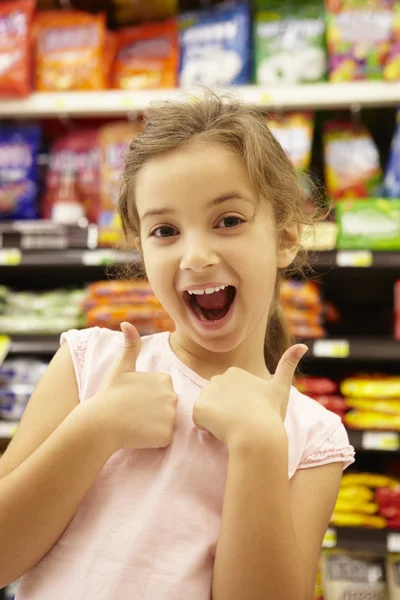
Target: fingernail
<point x="303" y="349"/>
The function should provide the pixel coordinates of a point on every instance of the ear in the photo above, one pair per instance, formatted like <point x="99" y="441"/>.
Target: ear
<point x="288" y="245"/>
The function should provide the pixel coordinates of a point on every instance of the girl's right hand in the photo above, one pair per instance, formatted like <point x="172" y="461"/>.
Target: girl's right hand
<point x="137" y="409"/>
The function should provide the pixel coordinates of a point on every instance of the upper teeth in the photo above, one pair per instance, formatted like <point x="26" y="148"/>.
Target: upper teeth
<point x="207" y="290"/>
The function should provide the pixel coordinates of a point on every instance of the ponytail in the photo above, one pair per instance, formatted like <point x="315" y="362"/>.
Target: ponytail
<point x="277" y="337"/>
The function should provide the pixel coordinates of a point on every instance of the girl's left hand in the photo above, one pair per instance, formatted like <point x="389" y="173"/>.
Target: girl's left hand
<point x="238" y="403"/>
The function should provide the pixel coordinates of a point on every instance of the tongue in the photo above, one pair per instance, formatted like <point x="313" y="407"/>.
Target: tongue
<point x="215" y="301"/>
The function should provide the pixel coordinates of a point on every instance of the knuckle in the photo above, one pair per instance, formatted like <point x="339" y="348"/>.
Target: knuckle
<point x="290" y="363"/>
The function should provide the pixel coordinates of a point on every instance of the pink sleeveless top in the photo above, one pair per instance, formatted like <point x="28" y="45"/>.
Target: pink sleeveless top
<point x="148" y="527"/>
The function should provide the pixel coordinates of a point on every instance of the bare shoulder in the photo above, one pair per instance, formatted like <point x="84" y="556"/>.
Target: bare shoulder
<point x="54" y="398"/>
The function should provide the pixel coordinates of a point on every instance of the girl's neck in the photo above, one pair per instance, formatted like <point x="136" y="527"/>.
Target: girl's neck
<point x="248" y="356"/>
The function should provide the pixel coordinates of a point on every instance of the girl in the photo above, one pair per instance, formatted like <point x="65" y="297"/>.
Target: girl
<point x="192" y="469"/>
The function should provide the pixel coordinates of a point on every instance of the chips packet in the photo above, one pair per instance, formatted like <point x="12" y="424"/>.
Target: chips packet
<point x="15" y="62"/>
<point x="69" y="51"/>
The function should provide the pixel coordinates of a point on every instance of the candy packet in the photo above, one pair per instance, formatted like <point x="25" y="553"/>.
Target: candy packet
<point x="15" y="23"/>
<point x="391" y="183"/>
<point x="352" y="164"/>
<point x="69" y="51"/>
<point x="355" y="576"/>
<point x="289" y="44"/>
<point x="368" y="224"/>
<point x="359" y="36"/>
<point x="19" y="147"/>
<point x="294" y="131"/>
<point x="147" y="57"/>
<point x="215" y="46"/>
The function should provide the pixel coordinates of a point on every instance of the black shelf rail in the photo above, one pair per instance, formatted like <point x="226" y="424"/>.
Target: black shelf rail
<point x="381" y="541"/>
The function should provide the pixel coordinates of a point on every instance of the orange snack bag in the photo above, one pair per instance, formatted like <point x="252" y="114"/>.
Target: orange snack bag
<point x="15" y="22"/>
<point x="69" y="51"/>
<point x="147" y="57"/>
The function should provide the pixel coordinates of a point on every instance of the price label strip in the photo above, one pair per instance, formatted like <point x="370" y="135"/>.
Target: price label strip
<point x="331" y="348"/>
<point x="359" y="258"/>
<point x="393" y="542"/>
<point x="7" y="430"/>
<point x="381" y="440"/>
<point x="330" y="538"/>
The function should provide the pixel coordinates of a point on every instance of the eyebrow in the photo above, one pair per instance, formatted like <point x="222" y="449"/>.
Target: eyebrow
<point x="158" y="212"/>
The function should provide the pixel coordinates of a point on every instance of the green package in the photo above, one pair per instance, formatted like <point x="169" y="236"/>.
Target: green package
<point x="372" y="224"/>
<point x="289" y="43"/>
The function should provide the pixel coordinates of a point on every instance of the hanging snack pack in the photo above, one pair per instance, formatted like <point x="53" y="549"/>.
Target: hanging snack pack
<point x="69" y="51"/>
<point x="19" y="147"/>
<point x="15" y="22"/>
<point x="391" y="184"/>
<point x="360" y="36"/>
<point x="352" y="166"/>
<point x="215" y="46"/>
<point x="72" y="183"/>
<point x="289" y="45"/>
<point x="147" y="57"/>
<point x="294" y="132"/>
<point x="114" y="140"/>
<point x="353" y="576"/>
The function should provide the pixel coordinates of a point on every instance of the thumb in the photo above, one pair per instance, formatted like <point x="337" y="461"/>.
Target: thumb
<point x="131" y="351"/>
<point x="288" y="364"/>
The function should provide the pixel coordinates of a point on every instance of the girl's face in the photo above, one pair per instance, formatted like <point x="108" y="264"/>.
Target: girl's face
<point x="199" y="230"/>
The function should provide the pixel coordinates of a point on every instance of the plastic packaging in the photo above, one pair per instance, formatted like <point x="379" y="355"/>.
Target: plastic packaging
<point x="294" y="132"/>
<point x="289" y="45"/>
<point x="147" y="57"/>
<point x="19" y="147"/>
<point x="316" y="385"/>
<point x="15" y="23"/>
<point x="69" y="51"/>
<point x="368" y="224"/>
<point x="371" y="387"/>
<point x="352" y="164"/>
<point x="353" y="576"/>
<point x="391" y="184"/>
<point x="215" y="46"/>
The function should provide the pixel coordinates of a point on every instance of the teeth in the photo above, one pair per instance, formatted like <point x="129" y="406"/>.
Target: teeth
<point x="207" y="290"/>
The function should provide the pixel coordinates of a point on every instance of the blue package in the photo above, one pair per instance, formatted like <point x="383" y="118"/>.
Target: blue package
<point x="215" y="46"/>
<point x="19" y="147"/>
<point x="391" y="183"/>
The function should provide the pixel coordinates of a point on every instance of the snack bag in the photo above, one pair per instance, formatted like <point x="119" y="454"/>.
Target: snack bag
<point x="289" y="46"/>
<point x="371" y="387"/>
<point x="19" y="147"/>
<point x="294" y="132"/>
<point x="315" y="385"/>
<point x="353" y="576"/>
<point x="114" y="140"/>
<point x="69" y="51"/>
<point x="359" y="36"/>
<point x="388" y="407"/>
<point x="368" y="224"/>
<point x="370" y="480"/>
<point x="391" y="183"/>
<point x="300" y="294"/>
<point x="352" y="166"/>
<point x="73" y="177"/>
<point x="215" y="46"/>
<point x="110" y="50"/>
<point x="147" y="57"/>
<point x="15" y="22"/>
<point x="360" y="419"/>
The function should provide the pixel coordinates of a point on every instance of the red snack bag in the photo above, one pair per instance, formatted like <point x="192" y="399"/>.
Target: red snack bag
<point x="147" y="57"/>
<point x="76" y="155"/>
<point x="316" y="385"/>
<point x="15" y="22"/>
<point x="69" y="51"/>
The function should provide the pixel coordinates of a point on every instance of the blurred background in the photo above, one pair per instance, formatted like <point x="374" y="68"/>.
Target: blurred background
<point x="75" y="79"/>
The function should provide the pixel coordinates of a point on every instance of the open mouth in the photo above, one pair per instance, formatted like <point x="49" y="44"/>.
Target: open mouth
<point x="211" y="307"/>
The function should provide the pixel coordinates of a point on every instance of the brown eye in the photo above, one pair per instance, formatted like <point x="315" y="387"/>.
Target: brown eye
<point x="163" y="231"/>
<point x="229" y="222"/>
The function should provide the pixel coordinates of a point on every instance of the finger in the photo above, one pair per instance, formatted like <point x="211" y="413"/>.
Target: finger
<point x="131" y="351"/>
<point x="288" y="364"/>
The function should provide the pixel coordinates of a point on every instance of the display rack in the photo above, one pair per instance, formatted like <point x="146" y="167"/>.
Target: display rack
<point x="119" y="103"/>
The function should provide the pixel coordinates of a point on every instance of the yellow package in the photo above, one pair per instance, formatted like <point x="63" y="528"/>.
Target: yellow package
<point x="363" y="508"/>
<point x="359" y="493"/>
<point x="360" y="419"/>
<point x="357" y="520"/>
<point x="371" y="480"/>
<point x="381" y="405"/>
<point x="373" y="387"/>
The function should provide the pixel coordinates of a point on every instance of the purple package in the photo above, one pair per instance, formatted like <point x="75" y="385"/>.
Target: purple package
<point x="19" y="147"/>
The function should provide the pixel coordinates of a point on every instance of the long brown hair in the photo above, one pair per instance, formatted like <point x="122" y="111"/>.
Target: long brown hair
<point x="213" y="118"/>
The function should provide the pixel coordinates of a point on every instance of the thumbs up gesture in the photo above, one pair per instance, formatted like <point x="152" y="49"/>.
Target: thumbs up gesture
<point x="139" y="409"/>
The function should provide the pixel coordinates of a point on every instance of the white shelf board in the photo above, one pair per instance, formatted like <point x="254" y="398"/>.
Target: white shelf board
<point x="116" y="102"/>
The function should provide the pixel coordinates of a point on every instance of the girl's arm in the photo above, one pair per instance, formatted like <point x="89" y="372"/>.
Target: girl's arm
<point x="48" y="468"/>
<point x="272" y="528"/>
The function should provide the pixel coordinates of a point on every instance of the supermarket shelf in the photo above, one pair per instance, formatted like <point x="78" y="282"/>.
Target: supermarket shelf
<point x="354" y="538"/>
<point x="116" y="102"/>
<point x="14" y="257"/>
<point x="375" y="441"/>
<point x="34" y="344"/>
<point x="354" y="259"/>
<point x="360" y="348"/>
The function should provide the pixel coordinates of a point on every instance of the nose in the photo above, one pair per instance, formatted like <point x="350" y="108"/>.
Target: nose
<point x="198" y="255"/>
